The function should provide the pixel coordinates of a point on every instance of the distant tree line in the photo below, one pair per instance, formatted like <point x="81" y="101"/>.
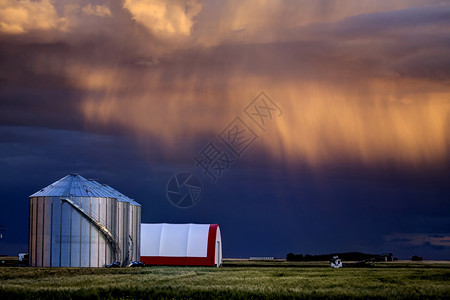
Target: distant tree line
<point x="416" y="258"/>
<point x="348" y="256"/>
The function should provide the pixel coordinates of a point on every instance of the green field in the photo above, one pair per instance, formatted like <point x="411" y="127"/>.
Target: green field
<point x="235" y="280"/>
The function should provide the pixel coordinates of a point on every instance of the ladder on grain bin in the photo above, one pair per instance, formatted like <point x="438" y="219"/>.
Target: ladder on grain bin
<point x="108" y="235"/>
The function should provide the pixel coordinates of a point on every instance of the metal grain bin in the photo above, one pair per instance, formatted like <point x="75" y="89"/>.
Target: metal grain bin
<point x="74" y="223"/>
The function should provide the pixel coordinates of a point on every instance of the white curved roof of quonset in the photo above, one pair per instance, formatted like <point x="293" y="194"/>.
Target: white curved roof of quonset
<point x="174" y="240"/>
<point x="75" y="185"/>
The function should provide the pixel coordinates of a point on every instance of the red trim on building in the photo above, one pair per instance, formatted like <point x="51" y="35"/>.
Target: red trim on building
<point x="212" y="243"/>
<point x="188" y="261"/>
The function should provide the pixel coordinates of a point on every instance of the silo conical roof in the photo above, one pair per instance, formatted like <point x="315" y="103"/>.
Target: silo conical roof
<point x="119" y="196"/>
<point x="74" y="185"/>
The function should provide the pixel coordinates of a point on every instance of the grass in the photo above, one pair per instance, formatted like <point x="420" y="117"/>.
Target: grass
<point x="235" y="280"/>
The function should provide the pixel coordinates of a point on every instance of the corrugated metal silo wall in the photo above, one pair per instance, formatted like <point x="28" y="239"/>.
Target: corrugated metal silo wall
<point x="135" y="231"/>
<point x="123" y="230"/>
<point x="61" y="237"/>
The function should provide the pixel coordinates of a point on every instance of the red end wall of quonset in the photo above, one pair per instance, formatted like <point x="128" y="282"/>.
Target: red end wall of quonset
<point x="188" y="261"/>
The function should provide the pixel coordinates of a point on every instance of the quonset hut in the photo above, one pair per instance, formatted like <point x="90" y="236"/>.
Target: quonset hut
<point x="181" y="244"/>
<point x="75" y="222"/>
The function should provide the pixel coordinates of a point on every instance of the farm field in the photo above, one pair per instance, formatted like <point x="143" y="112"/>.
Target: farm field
<point x="237" y="279"/>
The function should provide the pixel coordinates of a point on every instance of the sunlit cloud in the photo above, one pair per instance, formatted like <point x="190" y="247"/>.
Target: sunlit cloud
<point x="18" y="17"/>
<point x="266" y="21"/>
<point x="97" y="10"/>
<point x="350" y="92"/>
<point x="320" y="125"/>
<point x="363" y="81"/>
<point x="164" y="18"/>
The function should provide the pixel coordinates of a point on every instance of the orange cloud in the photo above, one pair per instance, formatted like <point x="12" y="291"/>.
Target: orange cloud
<point x="18" y="17"/>
<point x="164" y="18"/>
<point x="97" y="10"/>
<point x="321" y="124"/>
<point x="355" y="83"/>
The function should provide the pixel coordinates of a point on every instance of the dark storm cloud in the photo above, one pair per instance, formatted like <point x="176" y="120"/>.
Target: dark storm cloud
<point x="360" y="152"/>
<point x="412" y="42"/>
<point x="434" y="247"/>
<point x="395" y="22"/>
<point x="363" y="44"/>
<point x="400" y="240"/>
<point x="108" y="69"/>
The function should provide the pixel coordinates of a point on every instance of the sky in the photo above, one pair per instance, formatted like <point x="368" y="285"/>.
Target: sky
<point x="324" y="125"/>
